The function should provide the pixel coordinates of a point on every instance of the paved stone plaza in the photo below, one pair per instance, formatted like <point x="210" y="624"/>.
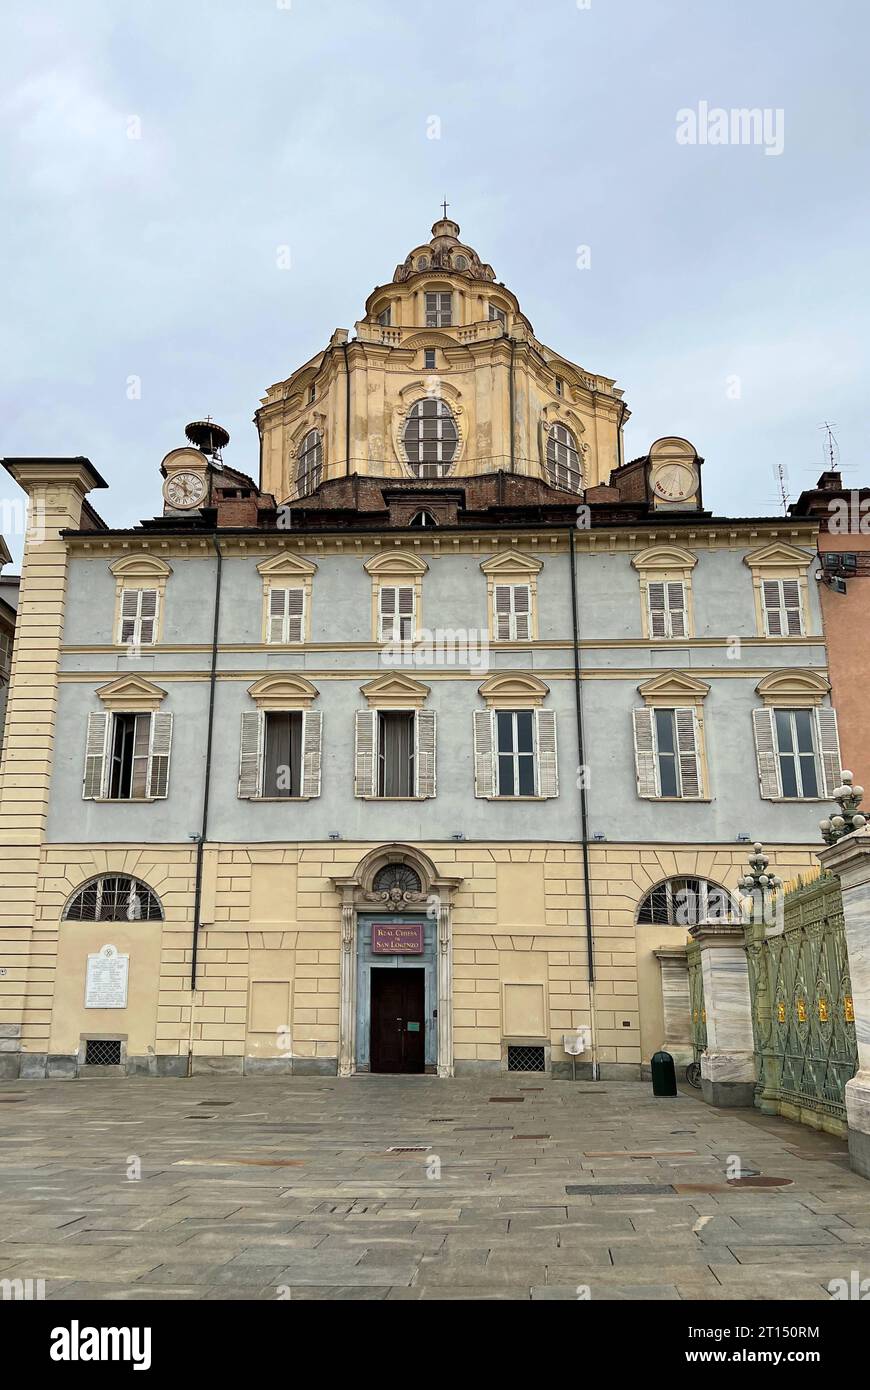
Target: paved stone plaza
<point x="279" y="1188"/>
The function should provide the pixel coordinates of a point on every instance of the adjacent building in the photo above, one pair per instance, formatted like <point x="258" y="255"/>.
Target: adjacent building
<point x="416" y="753"/>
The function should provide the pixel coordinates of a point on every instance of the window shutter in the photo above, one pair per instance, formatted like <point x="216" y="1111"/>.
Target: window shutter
<point x="766" y="753"/>
<point x="406" y="614"/>
<point x="791" y="602"/>
<point x="251" y="753"/>
<point x="424" y="751"/>
<point x="141" y="769"/>
<point x="688" y="752"/>
<point x="522" y="612"/>
<point x="312" y="725"/>
<point x="677" y="609"/>
<point x="365" y="748"/>
<point x="772" y="610"/>
<point x="502" y="612"/>
<point x="829" y="748"/>
<point x="147" y="615"/>
<point x="484" y="762"/>
<point x="161" y="743"/>
<point x="658" y="622"/>
<point x="96" y="744"/>
<point x="129" y="614"/>
<point x="645" y="762"/>
<point x="295" y="614"/>
<point x="545" y="742"/>
<point x="277" y="611"/>
<point x="387" y="612"/>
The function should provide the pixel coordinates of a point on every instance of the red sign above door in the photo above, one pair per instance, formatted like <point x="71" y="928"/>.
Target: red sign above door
<point x="397" y="938"/>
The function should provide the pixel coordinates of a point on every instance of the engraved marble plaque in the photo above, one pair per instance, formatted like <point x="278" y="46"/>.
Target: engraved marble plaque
<point x="106" y="983"/>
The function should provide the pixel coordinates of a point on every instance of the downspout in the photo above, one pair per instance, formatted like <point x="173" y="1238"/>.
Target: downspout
<point x="346" y="411"/>
<point x="512" y="394"/>
<point x="200" y="848"/>
<point x="584" y="806"/>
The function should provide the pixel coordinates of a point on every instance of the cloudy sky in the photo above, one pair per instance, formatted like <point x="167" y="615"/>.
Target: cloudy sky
<point x="156" y="156"/>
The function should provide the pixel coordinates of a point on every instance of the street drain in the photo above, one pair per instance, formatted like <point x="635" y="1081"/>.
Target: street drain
<point x="507" y="1100"/>
<point x="760" y="1180"/>
<point x="199" y="1117"/>
<point x="215" y="1102"/>
<point x="531" y="1136"/>
<point x="622" y="1189"/>
<point x="409" y="1149"/>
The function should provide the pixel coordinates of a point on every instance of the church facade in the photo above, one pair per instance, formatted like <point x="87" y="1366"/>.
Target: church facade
<point x="418" y="753"/>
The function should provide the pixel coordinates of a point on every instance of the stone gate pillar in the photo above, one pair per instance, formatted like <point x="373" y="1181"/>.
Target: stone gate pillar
<point x="849" y="858"/>
<point x="728" y="1062"/>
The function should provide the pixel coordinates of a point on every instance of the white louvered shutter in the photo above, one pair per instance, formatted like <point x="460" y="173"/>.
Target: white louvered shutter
<point x="251" y="742"/>
<point x="141" y="768"/>
<point x="387" y="612"/>
<point x="676" y="594"/>
<point x="96" y="745"/>
<point x="791" y="605"/>
<point x="484" y="762"/>
<point x="312" y="728"/>
<point x="277" y="611"/>
<point x="658" y="618"/>
<point x="406" y="614"/>
<point x="522" y="599"/>
<point x="688" y="752"/>
<point x="286" y="615"/>
<point x="365" y="760"/>
<point x="503" y="612"/>
<point x="129" y="614"/>
<point x="828" y="743"/>
<point x="160" y="749"/>
<point x="645" y="761"/>
<point x="766" y="753"/>
<point x="773" y="616"/>
<point x="148" y="600"/>
<point x="424" y="752"/>
<point x="545" y="743"/>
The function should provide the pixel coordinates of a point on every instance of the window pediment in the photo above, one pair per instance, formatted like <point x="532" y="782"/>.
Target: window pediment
<point x="286" y="565"/>
<point x="513" y="690"/>
<point x="141" y="566"/>
<point x="395" y="562"/>
<point x="395" y="690"/>
<point x="286" y="692"/>
<point x="793" y="687"/>
<point x="674" y="687"/>
<point x="778" y="555"/>
<point x="132" y="694"/>
<point x="671" y="558"/>
<point x="511" y="562"/>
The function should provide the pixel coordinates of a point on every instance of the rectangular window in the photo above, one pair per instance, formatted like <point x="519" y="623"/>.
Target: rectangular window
<point x="782" y="607"/>
<point x="515" y="752"/>
<point x="667" y="609"/>
<point x="5" y="652"/>
<point x="127" y="756"/>
<point x="430" y="359"/>
<point x="497" y="315"/>
<point x="128" y="765"/>
<point x="282" y="756"/>
<point x="385" y="317"/>
<point x="396" y="753"/>
<point x="796" y="750"/>
<point x="667" y="749"/>
<point x="560" y="387"/>
<point x="138" y="617"/>
<point x="286" y="616"/>
<point x="396" y="612"/>
<point x="439" y="310"/>
<point x="513" y="612"/>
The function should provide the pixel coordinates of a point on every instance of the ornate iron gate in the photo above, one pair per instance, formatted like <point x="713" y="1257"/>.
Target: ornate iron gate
<point x="802" y="1016"/>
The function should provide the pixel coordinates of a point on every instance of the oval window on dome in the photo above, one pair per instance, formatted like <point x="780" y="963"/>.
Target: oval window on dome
<point x="309" y="463"/>
<point x="423" y="263"/>
<point x="430" y="438"/>
<point x="461" y="262"/>
<point x="563" y="460"/>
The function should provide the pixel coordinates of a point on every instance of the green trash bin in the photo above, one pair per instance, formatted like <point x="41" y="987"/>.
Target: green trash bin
<point x="664" y="1078"/>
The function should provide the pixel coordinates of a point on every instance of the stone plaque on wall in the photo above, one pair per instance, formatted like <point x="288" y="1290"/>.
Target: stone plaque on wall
<point x="397" y="938"/>
<point x="106" y="982"/>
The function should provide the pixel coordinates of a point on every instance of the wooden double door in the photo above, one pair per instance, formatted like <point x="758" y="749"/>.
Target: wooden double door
<point x="398" y="1020"/>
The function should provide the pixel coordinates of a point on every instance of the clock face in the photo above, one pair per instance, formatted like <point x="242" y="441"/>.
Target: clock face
<point x="184" y="490"/>
<point x="675" y="482"/>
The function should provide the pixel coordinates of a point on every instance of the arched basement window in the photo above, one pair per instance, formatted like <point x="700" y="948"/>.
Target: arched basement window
<point x="396" y="876"/>
<point x="430" y="438"/>
<point x="687" y="902"/>
<point x="114" y="898"/>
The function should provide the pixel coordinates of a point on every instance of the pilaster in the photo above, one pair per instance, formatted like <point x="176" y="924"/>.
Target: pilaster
<point x="728" y="1062"/>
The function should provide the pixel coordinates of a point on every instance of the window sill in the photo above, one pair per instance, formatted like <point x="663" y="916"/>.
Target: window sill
<point x="798" y="800"/>
<point x="124" y="800"/>
<point x="680" y="800"/>
<point x="395" y="798"/>
<point x="520" y="798"/>
<point x="277" y="799"/>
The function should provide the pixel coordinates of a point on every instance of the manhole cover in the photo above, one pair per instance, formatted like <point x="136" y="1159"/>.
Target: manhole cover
<point x="760" y="1180"/>
<point x="622" y="1189"/>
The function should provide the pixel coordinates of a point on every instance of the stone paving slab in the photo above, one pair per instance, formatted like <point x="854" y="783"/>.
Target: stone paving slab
<point x="263" y="1189"/>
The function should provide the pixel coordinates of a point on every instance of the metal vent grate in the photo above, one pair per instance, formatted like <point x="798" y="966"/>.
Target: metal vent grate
<point x="102" y="1052"/>
<point x="525" y="1059"/>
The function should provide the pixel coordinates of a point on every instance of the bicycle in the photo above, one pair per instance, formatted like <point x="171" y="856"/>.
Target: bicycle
<point x="693" y="1075"/>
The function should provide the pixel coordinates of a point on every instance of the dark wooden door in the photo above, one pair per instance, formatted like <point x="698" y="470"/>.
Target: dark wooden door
<point x="398" y="1021"/>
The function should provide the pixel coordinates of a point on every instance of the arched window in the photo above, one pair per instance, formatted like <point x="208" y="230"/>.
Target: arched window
<point x="563" y="459"/>
<point x="396" y="876"/>
<point x="309" y="468"/>
<point x="423" y="519"/>
<point x="686" y="902"/>
<point x="430" y="438"/>
<point x="461" y="262"/>
<point x="423" y="263"/>
<point x="114" y="898"/>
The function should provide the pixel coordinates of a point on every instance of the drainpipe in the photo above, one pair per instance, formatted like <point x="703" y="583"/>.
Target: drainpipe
<point x="346" y="412"/>
<point x="200" y="848"/>
<point x="584" y="806"/>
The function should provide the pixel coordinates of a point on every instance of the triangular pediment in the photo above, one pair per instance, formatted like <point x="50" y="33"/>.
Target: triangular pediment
<point x="780" y="555"/>
<point x="395" y="688"/>
<point x="131" y="692"/>
<point x="286" y="565"/>
<point x="674" y="685"/>
<point x="511" y="562"/>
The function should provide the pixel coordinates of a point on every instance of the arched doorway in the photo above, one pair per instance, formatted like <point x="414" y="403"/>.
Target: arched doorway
<point x="396" y="964"/>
